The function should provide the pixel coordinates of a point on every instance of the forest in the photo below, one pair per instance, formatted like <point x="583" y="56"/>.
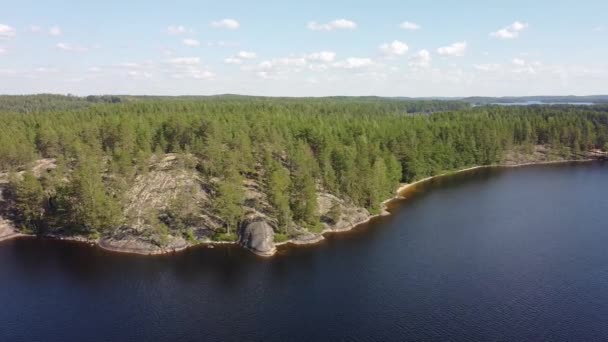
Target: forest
<point x="357" y="149"/>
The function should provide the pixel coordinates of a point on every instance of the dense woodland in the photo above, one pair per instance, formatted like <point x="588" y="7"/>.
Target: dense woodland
<point x="358" y="149"/>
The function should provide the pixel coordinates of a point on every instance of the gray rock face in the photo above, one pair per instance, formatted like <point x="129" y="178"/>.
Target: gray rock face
<point x="258" y="237"/>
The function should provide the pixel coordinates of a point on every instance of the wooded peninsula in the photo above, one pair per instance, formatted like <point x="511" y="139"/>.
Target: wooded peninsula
<point x="158" y="174"/>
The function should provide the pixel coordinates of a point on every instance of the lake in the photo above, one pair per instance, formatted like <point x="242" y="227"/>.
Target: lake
<point x="493" y="254"/>
<point x="541" y="103"/>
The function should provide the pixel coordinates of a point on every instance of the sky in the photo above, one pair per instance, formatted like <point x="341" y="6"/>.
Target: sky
<point x="305" y="48"/>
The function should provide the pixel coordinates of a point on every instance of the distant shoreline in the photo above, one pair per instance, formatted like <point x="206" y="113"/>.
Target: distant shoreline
<point x="399" y="195"/>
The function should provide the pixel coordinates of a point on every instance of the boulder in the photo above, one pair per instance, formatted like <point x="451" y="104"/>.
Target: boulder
<point x="258" y="237"/>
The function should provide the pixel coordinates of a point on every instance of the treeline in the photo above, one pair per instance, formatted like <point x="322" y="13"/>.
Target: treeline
<point x="54" y="102"/>
<point x="358" y="150"/>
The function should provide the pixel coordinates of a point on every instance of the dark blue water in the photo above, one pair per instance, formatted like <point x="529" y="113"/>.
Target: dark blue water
<point x="492" y="255"/>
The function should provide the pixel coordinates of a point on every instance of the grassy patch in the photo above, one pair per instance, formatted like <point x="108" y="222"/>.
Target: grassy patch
<point x="315" y="228"/>
<point x="280" y="238"/>
<point x="225" y="237"/>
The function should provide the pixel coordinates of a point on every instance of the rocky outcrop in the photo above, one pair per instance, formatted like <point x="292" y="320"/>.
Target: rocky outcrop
<point x="7" y="230"/>
<point x="136" y="245"/>
<point x="258" y="236"/>
<point x="349" y="215"/>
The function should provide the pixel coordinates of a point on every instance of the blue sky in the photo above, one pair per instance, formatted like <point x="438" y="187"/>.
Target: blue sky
<point x="305" y="48"/>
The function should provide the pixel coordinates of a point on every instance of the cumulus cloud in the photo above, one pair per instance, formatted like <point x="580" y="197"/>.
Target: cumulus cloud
<point x="246" y="55"/>
<point x="456" y="50"/>
<point x="222" y="44"/>
<point x="510" y="32"/>
<point x="410" y="26"/>
<point x="55" y="31"/>
<point x="487" y="67"/>
<point x="194" y="73"/>
<point x="283" y="62"/>
<point x="338" y="24"/>
<point x="2" y="51"/>
<point x="354" y="63"/>
<point x="322" y="56"/>
<point x="7" y="32"/>
<point x="422" y="59"/>
<point x="395" y="48"/>
<point x="278" y="68"/>
<point x="229" y="24"/>
<point x="71" y="48"/>
<point x="233" y="60"/>
<point x="518" y="62"/>
<point x="185" y="61"/>
<point x="191" y="42"/>
<point x="240" y="56"/>
<point x="177" y="29"/>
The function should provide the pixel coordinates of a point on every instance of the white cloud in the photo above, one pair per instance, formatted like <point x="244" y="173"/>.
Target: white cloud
<point x="407" y="25"/>
<point x="318" y="67"/>
<point x="246" y="55"/>
<point x="7" y="32"/>
<point x="229" y="24"/>
<point x="35" y="29"/>
<point x="177" y="29"/>
<point x="510" y="32"/>
<point x="396" y="48"/>
<point x="185" y="61"/>
<point x="283" y="62"/>
<point x="46" y="70"/>
<point x="354" y="63"/>
<point x="322" y="56"/>
<point x="194" y="73"/>
<point x="55" y="31"/>
<point x="518" y="62"/>
<point x="233" y="60"/>
<point x="278" y="68"/>
<point x="487" y="67"/>
<point x="457" y="49"/>
<point x="70" y="47"/>
<point x="191" y="42"/>
<point x="421" y="60"/>
<point x="338" y="24"/>
<point x="221" y="43"/>
<point x="2" y="51"/>
<point x="240" y="56"/>
<point x="139" y="74"/>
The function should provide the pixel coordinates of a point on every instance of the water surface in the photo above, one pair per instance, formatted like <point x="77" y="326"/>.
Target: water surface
<point x="490" y="255"/>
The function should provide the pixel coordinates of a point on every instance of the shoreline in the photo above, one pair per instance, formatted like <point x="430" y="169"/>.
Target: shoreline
<point x="405" y="186"/>
<point x="317" y="237"/>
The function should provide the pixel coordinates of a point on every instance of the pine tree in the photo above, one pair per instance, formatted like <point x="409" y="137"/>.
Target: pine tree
<point x="30" y="200"/>
<point x="229" y="200"/>
<point x="278" y="194"/>
<point x="89" y="202"/>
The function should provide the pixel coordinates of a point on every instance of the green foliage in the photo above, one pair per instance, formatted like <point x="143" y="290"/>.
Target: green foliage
<point x="225" y="237"/>
<point x="303" y="188"/>
<point x="278" y="238"/>
<point x="88" y="201"/>
<point x="229" y="200"/>
<point x="30" y="200"/>
<point x="356" y="148"/>
<point x="335" y="212"/>
<point x="278" y="185"/>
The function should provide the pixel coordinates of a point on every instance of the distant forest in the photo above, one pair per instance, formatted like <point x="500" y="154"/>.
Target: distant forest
<point x="355" y="148"/>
